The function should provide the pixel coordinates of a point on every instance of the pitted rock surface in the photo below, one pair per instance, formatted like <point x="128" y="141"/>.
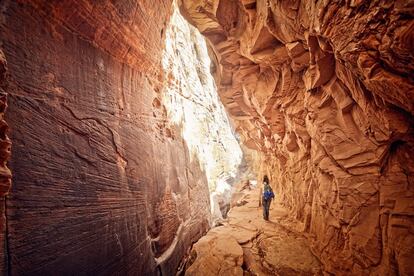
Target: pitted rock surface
<point x="324" y="91"/>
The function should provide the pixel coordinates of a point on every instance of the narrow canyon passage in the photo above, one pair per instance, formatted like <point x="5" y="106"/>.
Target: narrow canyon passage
<point x="249" y="245"/>
<point x="128" y="130"/>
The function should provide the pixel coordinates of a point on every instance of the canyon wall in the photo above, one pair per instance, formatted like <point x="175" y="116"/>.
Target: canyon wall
<point x="324" y="90"/>
<point x="191" y="101"/>
<point x="103" y="180"/>
<point x="5" y="147"/>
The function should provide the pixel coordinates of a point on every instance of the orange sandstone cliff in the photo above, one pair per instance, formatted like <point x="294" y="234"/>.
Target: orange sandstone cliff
<point x="102" y="180"/>
<point x="325" y="91"/>
<point x="99" y="184"/>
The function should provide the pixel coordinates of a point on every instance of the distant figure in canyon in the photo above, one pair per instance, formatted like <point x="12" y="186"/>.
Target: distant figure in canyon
<point x="267" y="197"/>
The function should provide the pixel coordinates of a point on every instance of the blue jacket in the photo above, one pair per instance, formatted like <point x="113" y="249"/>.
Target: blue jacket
<point x="268" y="192"/>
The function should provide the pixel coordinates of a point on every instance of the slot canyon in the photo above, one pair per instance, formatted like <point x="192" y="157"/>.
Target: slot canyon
<point x="135" y="136"/>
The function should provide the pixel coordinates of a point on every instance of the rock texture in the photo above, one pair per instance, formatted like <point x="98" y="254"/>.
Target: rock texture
<point x="5" y="146"/>
<point x="191" y="101"/>
<point x="248" y="245"/>
<point x="325" y="91"/>
<point x="103" y="180"/>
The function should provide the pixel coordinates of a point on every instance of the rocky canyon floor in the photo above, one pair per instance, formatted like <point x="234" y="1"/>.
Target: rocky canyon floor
<point x="246" y="244"/>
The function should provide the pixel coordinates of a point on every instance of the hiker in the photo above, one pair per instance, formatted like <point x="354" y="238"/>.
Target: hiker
<point x="267" y="197"/>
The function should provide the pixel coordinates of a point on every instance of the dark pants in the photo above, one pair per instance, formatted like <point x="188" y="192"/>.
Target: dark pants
<point x="266" y="207"/>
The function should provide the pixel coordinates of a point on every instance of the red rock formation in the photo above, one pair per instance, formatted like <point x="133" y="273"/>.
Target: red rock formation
<point x="5" y="174"/>
<point x="325" y="92"/>
<point x="99" y="186"/>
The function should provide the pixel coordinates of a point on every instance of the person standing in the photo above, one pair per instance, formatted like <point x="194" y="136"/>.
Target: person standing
<point x="267" y="197"/>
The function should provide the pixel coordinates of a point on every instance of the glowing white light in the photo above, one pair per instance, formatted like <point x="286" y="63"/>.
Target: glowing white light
<point x="223" y="187"/>
<point x="190" y="97"/>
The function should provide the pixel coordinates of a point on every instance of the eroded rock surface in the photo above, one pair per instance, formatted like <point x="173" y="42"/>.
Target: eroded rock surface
<point x="249" y="245"/>
<point x="324" y="90"/>
<point x="190" y="99"/>
<point x="5" y="146"/>
<point x="103" y="180"/>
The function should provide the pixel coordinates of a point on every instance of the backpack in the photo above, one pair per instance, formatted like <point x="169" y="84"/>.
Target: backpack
<point x="268" y="194"/>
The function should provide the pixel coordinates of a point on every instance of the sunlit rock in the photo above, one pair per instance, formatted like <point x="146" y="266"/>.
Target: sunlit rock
<point x="195" y="105"/>
<point x="122" y="155"/>
<point x="191" y="101"/>
<point x="118" y="138"/>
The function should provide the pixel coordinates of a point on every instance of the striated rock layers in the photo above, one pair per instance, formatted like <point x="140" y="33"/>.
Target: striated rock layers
<point x="103" y="181"/>
<point x="325" y="91"/>
<point x="5" y="146"/>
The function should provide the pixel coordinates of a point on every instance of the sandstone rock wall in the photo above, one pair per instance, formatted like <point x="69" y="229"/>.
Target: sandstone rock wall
<point x="324" y="90"/>
<point x="5" y="146"/>
<point x="191" y="101"/>
<point x="99" y="183"/>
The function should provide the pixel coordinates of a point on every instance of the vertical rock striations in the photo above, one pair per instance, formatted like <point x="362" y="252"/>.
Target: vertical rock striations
<point x="5" y="174"/>
<point x="324" y="90"/>
<point x="103" y="181"/>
